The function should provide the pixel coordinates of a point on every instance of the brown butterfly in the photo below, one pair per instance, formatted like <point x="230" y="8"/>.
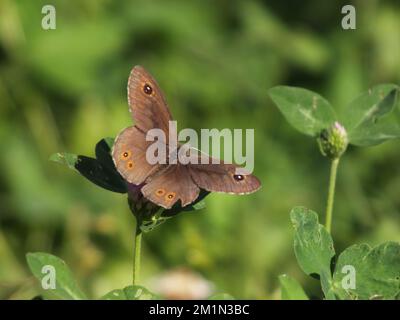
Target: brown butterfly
<point x="165" y="184"/>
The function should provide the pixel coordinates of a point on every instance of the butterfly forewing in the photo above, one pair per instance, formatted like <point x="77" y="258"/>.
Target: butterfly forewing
<point x="146" y="101"/>
<point x="129" y="155"/>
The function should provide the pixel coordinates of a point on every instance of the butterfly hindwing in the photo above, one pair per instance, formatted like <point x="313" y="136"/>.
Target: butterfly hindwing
<point x="171" y="185"/>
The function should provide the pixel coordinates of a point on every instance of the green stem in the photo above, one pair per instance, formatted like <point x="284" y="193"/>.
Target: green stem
<point x="331" y="194"/>
<point x="136" y="262"/>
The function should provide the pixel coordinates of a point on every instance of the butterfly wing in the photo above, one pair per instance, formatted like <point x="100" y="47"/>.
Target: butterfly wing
<point x="170" y="185"/>
<point x="149" y="110"/>
<point x="146" y="101"/>
<point x="129" y="155"/>
<point x="221" y="177"/>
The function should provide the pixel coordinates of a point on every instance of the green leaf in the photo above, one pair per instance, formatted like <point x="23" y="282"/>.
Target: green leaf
<point x="67" y="159"/>
<point x="305" y="110"/>
<point x="312" y="243"/>
<point x="221" y="296"/>
<point x="291" y="289"/>
<point x="100" y="171"/>
<point x="103" y="152"/>
<point x="130" y="293"/>
<point x="385" y="129"/>
<point x="377" y="272"/>
<point x="197" y="206"/>
<point x="101" y="175"/>
<point x="66" y="286"/>
<point x="369" y="119"/>
<point x="313" y="247"/>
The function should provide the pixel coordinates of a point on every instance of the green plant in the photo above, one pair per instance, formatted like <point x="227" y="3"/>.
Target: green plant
<point x="370" y="119"/>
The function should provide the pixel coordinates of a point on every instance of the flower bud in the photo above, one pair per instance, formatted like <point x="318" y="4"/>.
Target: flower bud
<point x="142" y="208"/>
<point x="333" y="141"/>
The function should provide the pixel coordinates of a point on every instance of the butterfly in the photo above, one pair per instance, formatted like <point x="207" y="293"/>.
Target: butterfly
<point x="166" y="184"/>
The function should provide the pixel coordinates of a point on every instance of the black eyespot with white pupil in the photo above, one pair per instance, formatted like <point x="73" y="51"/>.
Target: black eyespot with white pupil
<point x="238" y="177"/>
<point x="147" y="89"/>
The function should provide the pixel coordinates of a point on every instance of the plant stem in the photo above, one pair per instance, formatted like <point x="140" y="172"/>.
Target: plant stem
<point x="136" y="257"/>
<point x="331" y="194"/>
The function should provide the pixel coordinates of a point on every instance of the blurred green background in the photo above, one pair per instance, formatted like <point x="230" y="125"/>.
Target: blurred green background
<point x="65" y="89"/>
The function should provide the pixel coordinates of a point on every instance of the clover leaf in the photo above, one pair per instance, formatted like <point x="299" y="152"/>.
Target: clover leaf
<point x="369" y="119"/>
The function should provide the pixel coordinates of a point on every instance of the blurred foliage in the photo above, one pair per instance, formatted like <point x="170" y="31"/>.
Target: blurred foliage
<point x="65" y="89"/>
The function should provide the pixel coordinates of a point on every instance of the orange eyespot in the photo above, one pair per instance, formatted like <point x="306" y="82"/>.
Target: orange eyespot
<point x="130" y="165"/>
<point x="160" y="192"/>
<point x="170" y="196"/>
<point x="126" y="155"/>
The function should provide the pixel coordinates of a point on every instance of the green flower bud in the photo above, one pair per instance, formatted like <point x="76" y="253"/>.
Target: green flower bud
<point x="333" y="141"/>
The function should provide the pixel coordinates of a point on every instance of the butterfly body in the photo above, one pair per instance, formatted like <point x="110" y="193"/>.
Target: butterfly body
<point x="169" y="182"/>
